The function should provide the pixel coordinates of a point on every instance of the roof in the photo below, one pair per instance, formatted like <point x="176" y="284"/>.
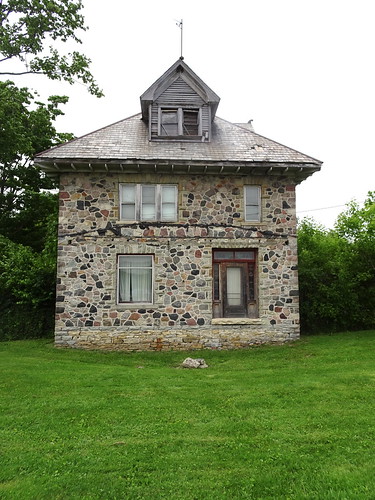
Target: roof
<point x="234" y="148"/>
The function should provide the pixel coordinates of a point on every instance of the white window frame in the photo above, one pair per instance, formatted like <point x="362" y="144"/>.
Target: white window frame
<point x="180" y="119"/>
<point x="158" y="202"/>
<point x="256" y="194"/>
<point x="131" y="303"/>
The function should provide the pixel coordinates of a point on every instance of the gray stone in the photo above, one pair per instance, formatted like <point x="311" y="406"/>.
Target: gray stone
<point x="194" y="363"/>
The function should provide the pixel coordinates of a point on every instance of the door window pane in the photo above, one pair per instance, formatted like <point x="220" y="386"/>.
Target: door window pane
<point x="244" y="255"/>
<point x="223" y="255"/>
<point x="234" y="288"/>
<point x="216" y="282"/>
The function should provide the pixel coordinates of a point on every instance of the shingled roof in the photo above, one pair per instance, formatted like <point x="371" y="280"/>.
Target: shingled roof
<point x="125" y="146"/>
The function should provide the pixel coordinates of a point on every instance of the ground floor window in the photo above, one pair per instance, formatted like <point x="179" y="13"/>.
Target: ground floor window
<point x="234" y="284"/>
<point x="135" y="275"/>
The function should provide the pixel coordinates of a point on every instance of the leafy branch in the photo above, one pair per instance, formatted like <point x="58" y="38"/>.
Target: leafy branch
<point x="26" y="26"/>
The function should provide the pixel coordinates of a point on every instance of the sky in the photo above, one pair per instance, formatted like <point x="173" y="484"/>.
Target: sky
<point x="302" y="70"/>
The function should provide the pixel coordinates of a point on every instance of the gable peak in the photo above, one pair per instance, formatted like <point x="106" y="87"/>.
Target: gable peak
<point x="178" y="70"/>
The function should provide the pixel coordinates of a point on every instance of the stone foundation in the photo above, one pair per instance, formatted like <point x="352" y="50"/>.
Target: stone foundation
<point x="184" y="339"/>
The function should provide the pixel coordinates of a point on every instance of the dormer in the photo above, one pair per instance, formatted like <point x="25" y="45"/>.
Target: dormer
<point x="179" y="106"/>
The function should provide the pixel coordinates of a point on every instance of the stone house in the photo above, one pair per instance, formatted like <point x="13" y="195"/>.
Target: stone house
<point x="177" y="229"/>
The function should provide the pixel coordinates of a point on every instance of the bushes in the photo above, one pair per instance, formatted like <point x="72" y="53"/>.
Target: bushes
<point x="336" y="271"/>
<point x="23" y="321"/>
<point x="27" y="281"/>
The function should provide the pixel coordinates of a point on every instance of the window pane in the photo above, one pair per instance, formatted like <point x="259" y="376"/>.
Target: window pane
<point x="148" y="203"/>
<point x="128" y="193"/>
<point x="252" y="213"/>
<point x="234" y="286"/>
<point x="169" y="122"/>
<point x="127" y="202"/>
<point x="135" y="278"/>
<point x="128" y="212"/>
<point x="135" y="261"/>
<point x="190" y="125"/>
<point x="148" y="194"/>
<point x="168" y="211"/>
<point x="216" y="282"/>
<point x="169" y="117"/>
<point x="168" y="194"/>
<point x="244" y="255"/>
<point x="223" y="255"/>
<point x="252" y="202"/>
<point x="168" y="203"/>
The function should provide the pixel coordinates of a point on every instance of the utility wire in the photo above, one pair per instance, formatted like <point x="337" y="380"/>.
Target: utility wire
<point x="322" y="208"/>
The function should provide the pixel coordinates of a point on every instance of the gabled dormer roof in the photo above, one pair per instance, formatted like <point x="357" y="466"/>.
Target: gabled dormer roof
<point x="178" y="70"/>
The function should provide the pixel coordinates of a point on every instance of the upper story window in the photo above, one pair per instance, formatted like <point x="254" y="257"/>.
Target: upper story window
<point x="252" y="203"/>
<point x="148" y="202"/>
<point x="176" y="122"/>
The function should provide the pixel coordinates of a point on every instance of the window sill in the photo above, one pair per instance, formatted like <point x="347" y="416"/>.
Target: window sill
<point x="236" y="321"/>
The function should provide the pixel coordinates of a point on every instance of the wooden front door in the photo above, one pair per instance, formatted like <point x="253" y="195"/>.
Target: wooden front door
<point x="234" y="290"/>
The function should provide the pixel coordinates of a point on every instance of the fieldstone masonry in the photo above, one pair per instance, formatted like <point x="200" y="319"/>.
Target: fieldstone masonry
<point x="210" y="216"/>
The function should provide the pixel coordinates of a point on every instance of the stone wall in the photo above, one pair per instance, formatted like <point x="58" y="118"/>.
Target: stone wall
<point x="91" y="236"/>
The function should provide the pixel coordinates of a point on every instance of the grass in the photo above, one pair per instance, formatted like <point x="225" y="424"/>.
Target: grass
<point x="281" y="422"/>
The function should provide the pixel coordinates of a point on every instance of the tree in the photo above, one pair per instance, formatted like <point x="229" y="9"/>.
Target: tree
<point x="29" y="32"/>
<point x="27" y="281"/>
<point x="319" y="270"/>
<point x="357" y="225"/>
<point x="336" y="271"/>
<point x="26" y="128"/>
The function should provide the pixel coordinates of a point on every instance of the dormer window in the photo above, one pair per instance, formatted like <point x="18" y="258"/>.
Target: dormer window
<point x="179" y="106"/>
<point x="177" y="122"/>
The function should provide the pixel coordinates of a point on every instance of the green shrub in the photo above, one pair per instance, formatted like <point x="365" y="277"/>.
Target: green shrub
<point x="337" y="271"/>
<point x="27" y="281"/>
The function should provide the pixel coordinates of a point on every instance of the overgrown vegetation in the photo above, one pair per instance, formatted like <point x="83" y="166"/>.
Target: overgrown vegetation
<point x="337" y="271"/>
<point x="28" y="214"/>
<point x="29" y="30"/>
<point x="286" y="422"/>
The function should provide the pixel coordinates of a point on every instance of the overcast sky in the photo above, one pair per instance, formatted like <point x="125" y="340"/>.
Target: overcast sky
<point x="302" y="70"/>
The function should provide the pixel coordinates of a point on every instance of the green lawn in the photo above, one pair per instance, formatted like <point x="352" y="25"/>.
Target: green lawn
<point x="273" y="422"/>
